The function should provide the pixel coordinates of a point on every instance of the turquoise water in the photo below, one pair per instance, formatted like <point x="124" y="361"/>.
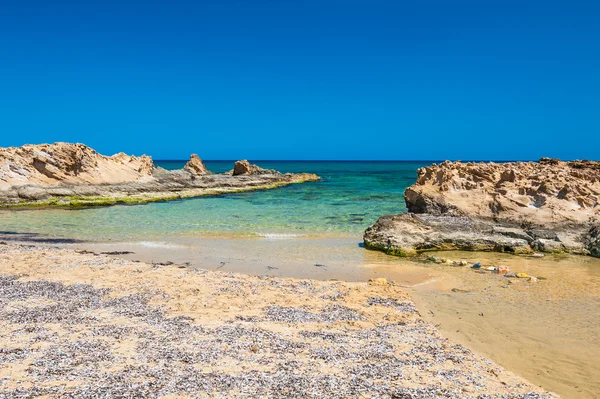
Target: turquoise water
<point x="350" y="197"/>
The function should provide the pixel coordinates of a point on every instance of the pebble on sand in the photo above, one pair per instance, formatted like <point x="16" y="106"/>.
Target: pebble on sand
<point x="378" y="281"/>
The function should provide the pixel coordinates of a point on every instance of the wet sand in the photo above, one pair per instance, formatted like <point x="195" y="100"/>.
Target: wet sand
<point x="546" y="332"/>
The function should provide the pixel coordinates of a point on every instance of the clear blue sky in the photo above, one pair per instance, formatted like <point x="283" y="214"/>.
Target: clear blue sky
<point x="319" y="79"/>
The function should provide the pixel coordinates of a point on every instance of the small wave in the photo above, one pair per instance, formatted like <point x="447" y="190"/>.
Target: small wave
<point x="279" y="236"/>
<point x="154" y="244"/>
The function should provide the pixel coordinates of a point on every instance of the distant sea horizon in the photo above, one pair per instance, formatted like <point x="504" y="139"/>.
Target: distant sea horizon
<point x="356" y="160"/>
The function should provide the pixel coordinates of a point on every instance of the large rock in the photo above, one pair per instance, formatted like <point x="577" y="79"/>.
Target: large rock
<point x="195" y="166"/>
<point x="549" y="191"/>
<point x="246" y="168"/>
<point x="66" y="163"/>
<point x="516" y="207"/>
<point x="408" y="233"/>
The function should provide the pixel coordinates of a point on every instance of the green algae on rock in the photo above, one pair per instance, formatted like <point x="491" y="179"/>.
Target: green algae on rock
<point x="518" y="207"/>
<point x="74" y="175"/>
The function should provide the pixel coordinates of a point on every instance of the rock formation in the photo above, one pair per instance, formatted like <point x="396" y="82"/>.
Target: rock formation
<point x="246" y="168"/>
<point x="67" y="163"/>
<point x="64" y="174"/>
<point x="195" y="166"/>
<point x="518" y="207"/>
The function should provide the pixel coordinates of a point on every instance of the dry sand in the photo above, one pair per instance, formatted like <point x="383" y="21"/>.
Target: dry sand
<point x="84" y="325"/>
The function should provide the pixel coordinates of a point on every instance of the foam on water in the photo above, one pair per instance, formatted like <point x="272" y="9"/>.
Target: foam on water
<point x="153" y="244"/>
<point x="279" y="236"/>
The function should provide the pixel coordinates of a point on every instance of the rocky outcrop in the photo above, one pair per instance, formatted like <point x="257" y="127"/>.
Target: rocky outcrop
<point x="246" y="168"/>
<point x="66" y="163"/>
<point x="64" y="174"/>
<point x="517" y="207"/>
<point x="195" y="166"/>
<point x="549" y="191"/>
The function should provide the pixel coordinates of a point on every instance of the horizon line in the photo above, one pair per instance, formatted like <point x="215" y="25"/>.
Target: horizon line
<point x="359" y="160"/>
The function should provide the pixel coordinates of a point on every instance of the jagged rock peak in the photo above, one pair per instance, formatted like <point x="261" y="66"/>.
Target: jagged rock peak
<point x="195" y="166"/>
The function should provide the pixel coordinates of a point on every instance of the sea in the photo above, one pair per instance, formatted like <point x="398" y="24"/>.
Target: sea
<point x="349" y="198"/>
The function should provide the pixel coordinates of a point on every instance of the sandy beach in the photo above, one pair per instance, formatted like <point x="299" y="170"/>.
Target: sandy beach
<point x="77" y="324"/>
<point x="315" y="199"/>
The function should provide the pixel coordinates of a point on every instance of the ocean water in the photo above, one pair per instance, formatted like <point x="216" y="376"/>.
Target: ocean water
<point x="350" y="197"/>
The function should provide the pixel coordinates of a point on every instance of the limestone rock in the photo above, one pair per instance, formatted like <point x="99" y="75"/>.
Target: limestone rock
<point x="74" y="175"/>
<point x="545" y="245"/>
<point x="518" y="207"/>
<point x="407" y="234"/>
<point x="241" y="168"/>
<point x="549" y="191"/>
<point x="195" y="166"/>
<point x="246" y="168"/>
<point x="66" y="163"/>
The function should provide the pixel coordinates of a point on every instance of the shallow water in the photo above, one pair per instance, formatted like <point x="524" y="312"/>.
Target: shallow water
<point x="350" y="197"/>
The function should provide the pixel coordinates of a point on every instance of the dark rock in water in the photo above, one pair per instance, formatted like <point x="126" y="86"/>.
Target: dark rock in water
<point x="476" y="265"/>
<point x="460" y="290"/>
<point x="167" y="263"/>
<point x="546" y="245"/>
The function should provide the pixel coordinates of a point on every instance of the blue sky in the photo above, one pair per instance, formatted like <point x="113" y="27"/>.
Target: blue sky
<point x="304" y="79"/>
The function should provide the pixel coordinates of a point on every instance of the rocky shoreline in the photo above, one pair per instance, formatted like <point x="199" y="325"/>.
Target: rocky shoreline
<point x="76" y="324"/>
<point x="517" y="207"/>
<point x="74" y="175"/>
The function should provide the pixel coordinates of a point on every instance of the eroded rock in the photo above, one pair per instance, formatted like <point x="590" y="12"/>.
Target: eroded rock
<point x="517" y="207"/>
<point x="246" y="168"/>
<point x="195" y="166"/>
<point x="66" y="163"/>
